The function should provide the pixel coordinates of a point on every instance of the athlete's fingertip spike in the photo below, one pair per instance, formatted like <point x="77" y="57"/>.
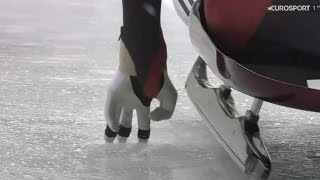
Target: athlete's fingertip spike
<point x="109" y="139"/>
<point x="122" y="139"/>
<point x="109" y="133"/>
<point x="124" y="131"/>
<point x="143" y="134"/>
<point x="143" y="140"/>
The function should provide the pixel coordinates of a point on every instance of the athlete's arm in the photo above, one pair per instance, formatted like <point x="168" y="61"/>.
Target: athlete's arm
<point x="142" y="73"/>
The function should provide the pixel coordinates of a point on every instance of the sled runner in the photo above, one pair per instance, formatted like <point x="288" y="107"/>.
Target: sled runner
<point x="281" y="84"/>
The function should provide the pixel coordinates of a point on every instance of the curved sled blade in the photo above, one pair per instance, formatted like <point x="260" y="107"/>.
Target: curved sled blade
<point x="239" y="136"/>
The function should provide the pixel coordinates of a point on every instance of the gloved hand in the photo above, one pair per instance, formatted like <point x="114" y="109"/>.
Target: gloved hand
<point x="122" y="100"/>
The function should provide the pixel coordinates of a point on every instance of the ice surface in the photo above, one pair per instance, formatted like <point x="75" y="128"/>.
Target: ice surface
<point x="57" y="58"/>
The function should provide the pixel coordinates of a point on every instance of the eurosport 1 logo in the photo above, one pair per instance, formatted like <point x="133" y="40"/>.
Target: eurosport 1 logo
<point x="291" y="8"/>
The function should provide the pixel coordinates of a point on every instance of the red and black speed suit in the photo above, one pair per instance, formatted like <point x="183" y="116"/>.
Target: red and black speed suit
<point x="142" y="35"/>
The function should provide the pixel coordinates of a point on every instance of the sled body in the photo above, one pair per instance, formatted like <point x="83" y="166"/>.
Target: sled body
<point x="284" y="84"/>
